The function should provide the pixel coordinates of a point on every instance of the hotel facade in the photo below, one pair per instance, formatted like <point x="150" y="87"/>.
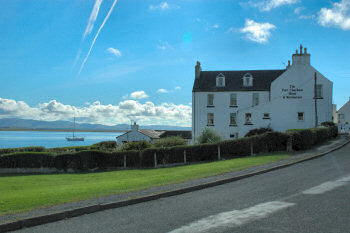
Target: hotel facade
<point x="235" y="102"/>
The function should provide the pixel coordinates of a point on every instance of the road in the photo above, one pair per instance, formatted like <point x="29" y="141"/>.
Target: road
<point x="312" y="196"/>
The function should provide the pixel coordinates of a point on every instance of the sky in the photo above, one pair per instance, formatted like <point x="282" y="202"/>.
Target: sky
<point x="117" y="61"/>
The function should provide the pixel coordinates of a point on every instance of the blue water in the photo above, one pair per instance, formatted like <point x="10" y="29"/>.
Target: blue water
<point x="11" y="139"/>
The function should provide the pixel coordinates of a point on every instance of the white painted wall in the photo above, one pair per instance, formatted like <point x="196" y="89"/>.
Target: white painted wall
<point x="345" y="111"/>
<point x="132" y="136"/>
<point x="283" y="111"/>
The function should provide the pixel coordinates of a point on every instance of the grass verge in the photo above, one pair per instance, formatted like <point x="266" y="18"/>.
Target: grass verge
<point x="21" y="193"/>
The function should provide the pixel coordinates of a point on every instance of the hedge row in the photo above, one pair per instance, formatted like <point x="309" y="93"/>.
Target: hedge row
<point x="89" y="159"/>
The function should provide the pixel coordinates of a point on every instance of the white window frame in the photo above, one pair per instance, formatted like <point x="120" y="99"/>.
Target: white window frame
<point x="210" y="98"/>
<point x="301" y="116"/>
<point x="319" y="91"/>
<point x="220" y="80"/>
<point x="233" y="120"/>
<point x="248" y="120"/>
<point x="233" y="103"/>
<point x="210" y="119"/>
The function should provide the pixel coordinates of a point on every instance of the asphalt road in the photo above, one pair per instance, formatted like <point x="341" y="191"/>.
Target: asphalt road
<point x="312" y="196"/>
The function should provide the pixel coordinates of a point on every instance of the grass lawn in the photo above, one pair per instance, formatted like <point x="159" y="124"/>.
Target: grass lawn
<point x="25" y="192"/>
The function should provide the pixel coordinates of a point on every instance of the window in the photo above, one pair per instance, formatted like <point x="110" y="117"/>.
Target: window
<point x="235" y="135"/>
<point x="248" y="119"/>
<point x="247" y="80"/>
<point x="210" y="101"/>
<point x="233" y="119"/>
<point x="220" y="80"/>
<point x="341" y="117"/>
<point x="233" y="100"/>
<point x="300" y="116"/>
<point x="319" y="91"/>
<point x="210" y="118"/>
<point x="266" y="116"/>
<point x="255" y="99"/>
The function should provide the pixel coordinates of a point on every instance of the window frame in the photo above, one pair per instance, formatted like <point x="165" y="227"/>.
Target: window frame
<point x="248" y="121"/>
<point x="253" y="99"/>
<point x="212" y="100"/>
<point x="231" y="95"/>
<point x="319" y="91"/>
<point x="210" y="120"/>
<point x="235" y="119"/>
<point x="303" y="116"/>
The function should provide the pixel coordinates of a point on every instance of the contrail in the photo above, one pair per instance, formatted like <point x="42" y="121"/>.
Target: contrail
<point x="98" y="32"/>
<point x="93" y="17"/>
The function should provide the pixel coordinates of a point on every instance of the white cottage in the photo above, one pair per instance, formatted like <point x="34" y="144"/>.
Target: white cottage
<point x="234" y="102"/>
<point x="344" y="118"/>
<point x="136" y="134"/>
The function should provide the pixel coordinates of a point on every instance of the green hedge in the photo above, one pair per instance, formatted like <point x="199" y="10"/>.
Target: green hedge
<point x="90" y="159"/>
<point x="22" y="149"/>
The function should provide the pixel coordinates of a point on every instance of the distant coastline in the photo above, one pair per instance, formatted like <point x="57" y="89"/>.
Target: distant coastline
<point x="60" y="130"/>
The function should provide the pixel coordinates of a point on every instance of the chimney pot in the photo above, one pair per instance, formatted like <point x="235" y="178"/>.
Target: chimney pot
<point x="197" y="70"/>
<point x="288" y="62"/>
<point x="305" y="51"/>
<point x="296" y="51"/>
<point x="301" y="49"/>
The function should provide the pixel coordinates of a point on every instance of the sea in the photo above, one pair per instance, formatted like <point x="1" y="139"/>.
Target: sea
<point x="50" y="139"/>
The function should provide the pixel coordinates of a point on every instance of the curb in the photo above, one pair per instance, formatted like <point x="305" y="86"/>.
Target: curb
<point x="38" y="220"/>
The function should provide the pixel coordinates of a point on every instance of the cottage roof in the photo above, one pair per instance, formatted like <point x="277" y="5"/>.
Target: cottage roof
<point x="153" y="134"/>
<point x="262" y="80"/>
<point x="186" y="134"/>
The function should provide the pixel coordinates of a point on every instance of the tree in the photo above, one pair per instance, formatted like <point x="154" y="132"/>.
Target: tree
<point x="209" y="136"/>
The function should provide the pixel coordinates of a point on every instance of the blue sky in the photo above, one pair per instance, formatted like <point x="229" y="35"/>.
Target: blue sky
<point x="141" y="65"/>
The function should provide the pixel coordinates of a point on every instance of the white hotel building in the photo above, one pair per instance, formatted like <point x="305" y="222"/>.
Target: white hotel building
<point x="235" y="102"/>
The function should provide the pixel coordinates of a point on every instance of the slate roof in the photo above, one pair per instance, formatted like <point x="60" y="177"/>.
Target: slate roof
<point x="185" y="134"/>
<point x="151" y="133"/>
<point x="262" y="80"/>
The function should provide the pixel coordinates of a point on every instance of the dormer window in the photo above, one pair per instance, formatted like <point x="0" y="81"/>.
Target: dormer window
<point x="248" y="80"/>
<point x="220" y="80"/>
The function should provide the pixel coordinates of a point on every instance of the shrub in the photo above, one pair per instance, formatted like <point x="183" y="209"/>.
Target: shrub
<point x="26" y="160"/>
<point x="22" y="149"/>
<point x="257" y="131"/>
<point x="140" y="145"/>
<point x="327" y="123"/>
<point x="170" y="141"/>
<point x="209" y="136"/>
<point x="105" y="145"/>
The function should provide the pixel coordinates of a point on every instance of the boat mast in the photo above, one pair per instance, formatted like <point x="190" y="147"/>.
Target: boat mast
<point x="74" y="127"/>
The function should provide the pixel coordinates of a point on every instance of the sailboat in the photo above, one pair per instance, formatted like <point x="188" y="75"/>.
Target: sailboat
<point x="74" y="138"/>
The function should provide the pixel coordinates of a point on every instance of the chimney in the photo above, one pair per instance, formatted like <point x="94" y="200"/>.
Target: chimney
<point x="197" y="70"/>
<point x="288" y="64"/>
<point x="302" y="58"/>
<point x="134" y="127"/>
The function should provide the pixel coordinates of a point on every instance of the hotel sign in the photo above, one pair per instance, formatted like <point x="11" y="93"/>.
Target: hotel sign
<point x="292" y="92"/>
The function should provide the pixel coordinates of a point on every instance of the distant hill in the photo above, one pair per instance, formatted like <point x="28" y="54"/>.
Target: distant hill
<point x="16" y="123"/>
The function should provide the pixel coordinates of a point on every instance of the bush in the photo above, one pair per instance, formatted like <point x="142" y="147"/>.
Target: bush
<point x="22" y="149"/>
<point x="105" y="146"/>
<point x="26" y="160"/>
<point x="257" y="131"/>
<point x="209" y="136"/>
<point x="140" y="145"/>
<point x="170" y="141"/>
<point x="327" y="123"/>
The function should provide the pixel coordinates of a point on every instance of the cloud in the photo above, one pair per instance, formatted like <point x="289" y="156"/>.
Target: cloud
<point x="268" y="5"/>
<point x="93" y="17"/>
<point x="216" y="26"/>
<point x="177" y="88"/>
<point x="338" y="16"/>
<point x="162" y="90"/>
<point x="163" y="45"/>
<point x="115" y="52"/>
<point x="139" y="95"/>
<point x="298" y="10"/>
<point x="97" y="113"/>
<point x="162" y="6"/>
<point x="257" y="32"/>
<point x="95" y="38"/>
